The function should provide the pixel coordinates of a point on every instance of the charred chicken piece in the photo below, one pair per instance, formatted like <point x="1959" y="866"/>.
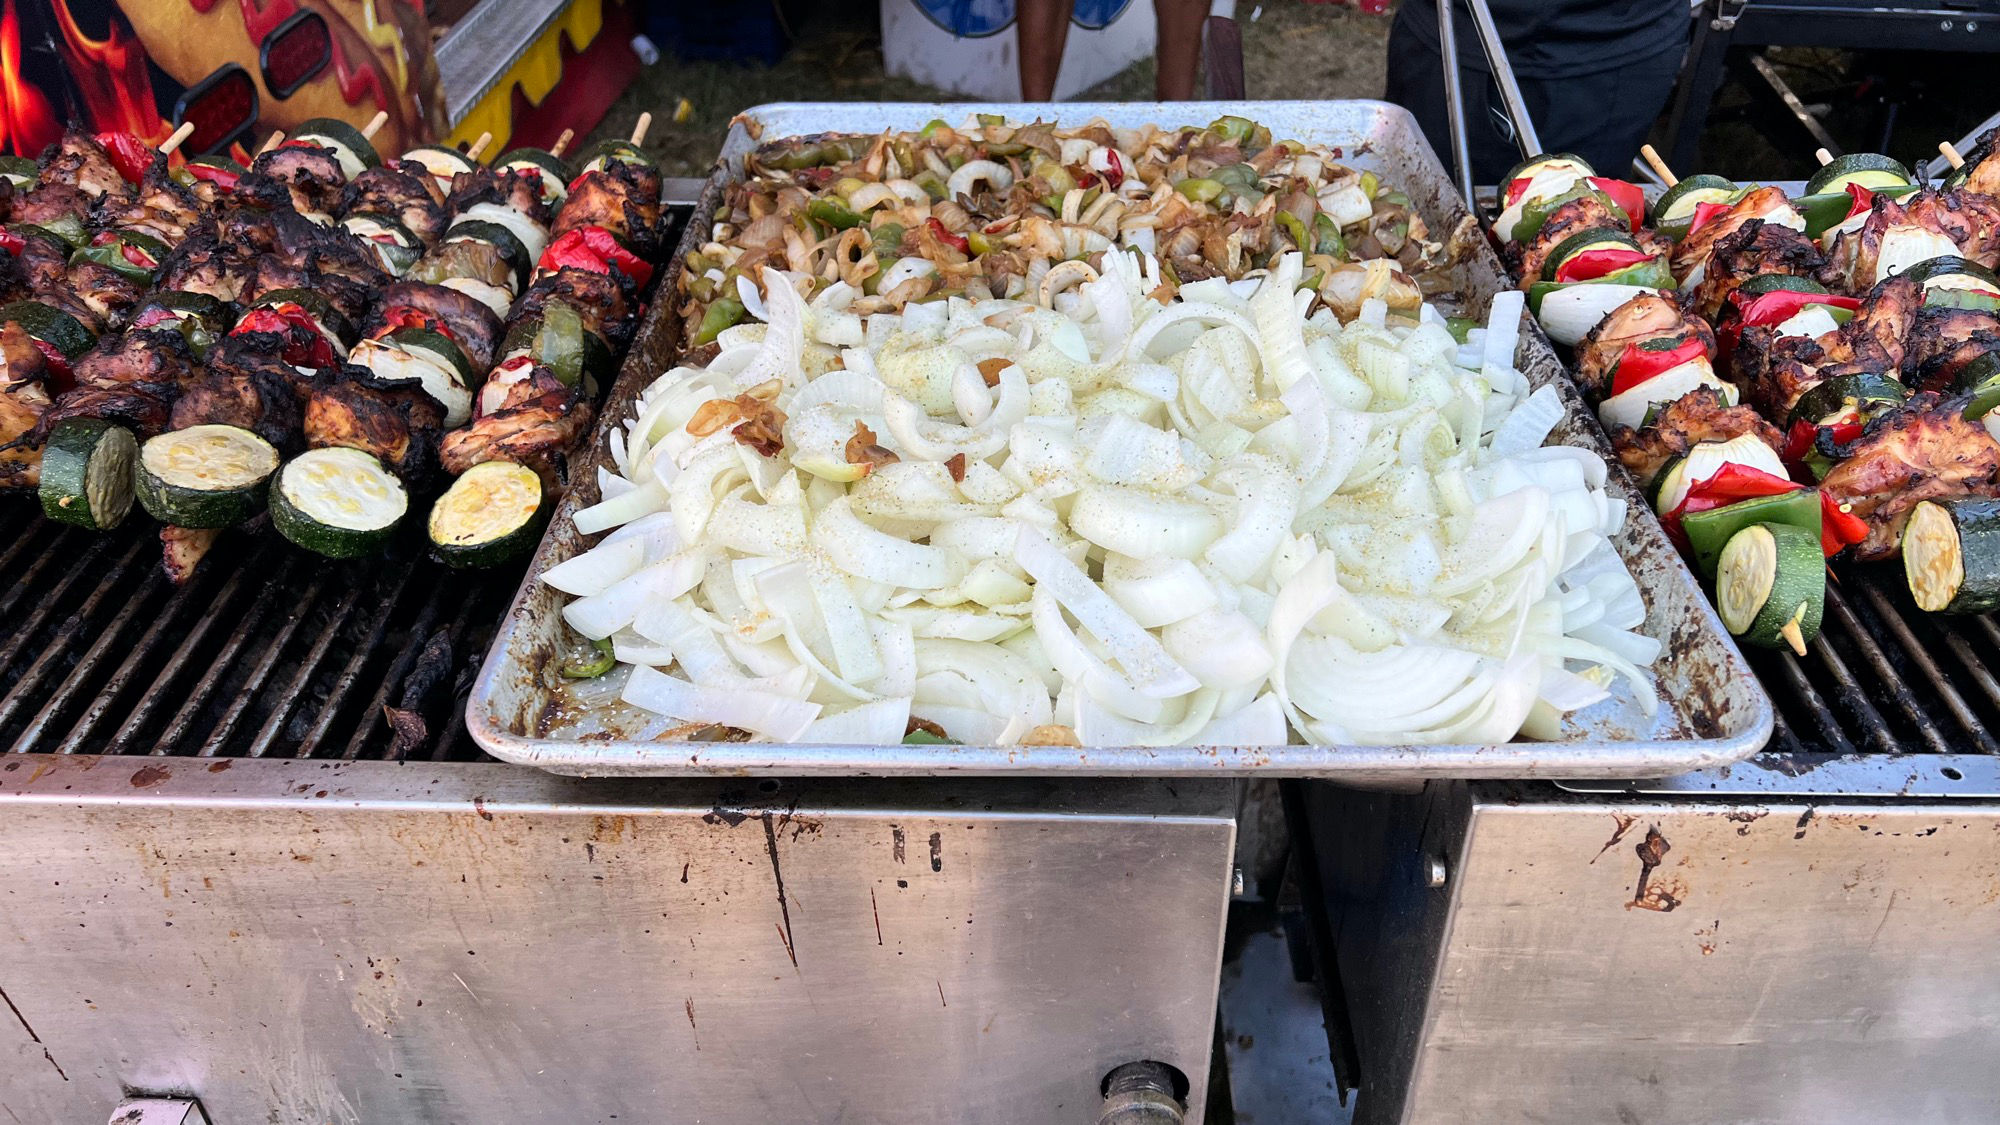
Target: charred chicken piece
<point x="270" y="272"/>
<point x="108" y="294"/>
<point x="396" y="421"/>
<point x="1586" y="212"/>
<point x="1899" y="233"/>
<point x="1943" y="341"/>
<point x="24" y="398"/>
<point x="134" y="407"/>
<point x="536" y="432"/>
<point x="1648" y="316"/>
<point x="1754" y="249"/>
<point x="150" y="359"/>
<point x="602" y="300"/>
<point x="14" y="285"/>
<point x="466" y="320"/>
<point x="623" y="199"/>
<point x="43" y="260"/>
<point x="160" y="207"/>
<point x="246" y="384"/>
<point x="1697" y="416"/>
<point x="519" y="192"/>
<point x="51" y="202"/>
<point x="202" y="265"/>
<point x="1874" y="340"/>
<point x="311" y="175"/>
<point x="389" y="190"/>
<point x="1767" y="204"/>
<point x="1925" y="451"/>
<point x="246" y="227"/>
<point x="1773" y="371"/>
<point x="80" y="162"/>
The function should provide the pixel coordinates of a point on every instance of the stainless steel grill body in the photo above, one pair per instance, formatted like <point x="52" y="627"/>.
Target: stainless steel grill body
<point x="1793" y="940"/>
<point x="377" y="942"/>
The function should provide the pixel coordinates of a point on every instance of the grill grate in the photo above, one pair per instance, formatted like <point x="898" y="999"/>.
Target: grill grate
<point x="267" y="652"/>
<point x="1883" y="678"/>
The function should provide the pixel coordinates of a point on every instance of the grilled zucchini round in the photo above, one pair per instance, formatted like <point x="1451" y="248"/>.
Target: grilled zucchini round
<point x="491" y="515"/>
<point x="1770" y="586"/>
<point x="1951" y="555"/>
<point x="205" y="476"/>
<point x="338" y="502"/>
<point x="87" y="473"/>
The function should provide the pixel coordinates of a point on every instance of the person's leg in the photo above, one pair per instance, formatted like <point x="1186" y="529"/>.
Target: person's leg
<point x="1179" y="53"/>
<point x="1042" y="27"/>
<point x="1605" y="117"/>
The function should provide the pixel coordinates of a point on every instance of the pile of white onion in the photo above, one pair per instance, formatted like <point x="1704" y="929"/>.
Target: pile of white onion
<point x="1218" y="520"/>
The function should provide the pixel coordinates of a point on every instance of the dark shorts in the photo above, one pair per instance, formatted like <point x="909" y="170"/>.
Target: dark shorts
<point x="1602" y="117"/>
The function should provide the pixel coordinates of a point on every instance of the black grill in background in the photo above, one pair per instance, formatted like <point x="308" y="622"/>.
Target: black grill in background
<point x="1885" y="678"/>
<point x="268" y="651"/>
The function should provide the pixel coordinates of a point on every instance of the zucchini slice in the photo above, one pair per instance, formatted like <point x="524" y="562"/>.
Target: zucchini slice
<point x="1871" y="170"/>
<point x="87" y="473"/>
<point x="493" y="514"/>
<point x="392" y="361"/>
<point x="440" y="162"/>
<point x="602" y="153"/>
<point x="205" y="476"/>
<point x="1676" y="206"/>
<point x="1586" y="240"/>
<point x="21" y="171"/>
<point x="532" y="236"/>
<point x="1951" y="555"/>
<point x="1534" y="165"/>
<point x="554" y="172"/>
<point x="1706" y="459"/>
<point x="1770" y="586"/>
<point x="355" y="153"/>
<point x="51" y="326"/>
<point x="512" y="250"/>
<point x="1950" y="271"/>
<point x="1848" y="398"/>
<point x="338" y="502"/>
<point x="394" y="246"/>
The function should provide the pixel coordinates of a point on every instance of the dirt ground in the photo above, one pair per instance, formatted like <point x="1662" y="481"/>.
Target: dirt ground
<point x="1899" y="102"/>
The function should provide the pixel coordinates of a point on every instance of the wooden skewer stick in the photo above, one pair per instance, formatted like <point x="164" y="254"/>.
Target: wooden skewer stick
<point x="1824" y="157"/>
<point x="272" y="142"/>
<point x="1659" y="166"/>
<point x="639" y="130"/>
<point x="478" y="146"/>
<point x="179" y="135"/>
<point x="375" y="124"/>
<point x="1795" y="637"/>
<point x="562" y="142"/>
<point x="1950" y="152"/>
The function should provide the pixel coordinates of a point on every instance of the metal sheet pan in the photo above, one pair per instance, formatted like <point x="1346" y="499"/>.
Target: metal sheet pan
<point x="1712" y="710"/>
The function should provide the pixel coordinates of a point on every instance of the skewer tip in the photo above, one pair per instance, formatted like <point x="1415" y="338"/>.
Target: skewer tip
<point x="1823" y="156"/>
<point x="273" y="141"/>
<point x="562" y="142"/>
<point x="1659" y="166"/>
<point x="639" y="130"/>
<point x="1951" y="154"/>
<point x="1795" y="637"/>
<point x="375" y="124"/>
<point x="179" y="135"/>
<point x="479" y="146"/>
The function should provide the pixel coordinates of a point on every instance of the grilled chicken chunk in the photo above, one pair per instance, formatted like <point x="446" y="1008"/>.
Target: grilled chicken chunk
<point x="515" y="190"/>
<point x="310" y="174"/>
<point x="397" y="422"/>
<point x="160" y="207"/>
<point x="1648" y="316"/>
<point x="49" y="202"/>
<point x="43" y="260"/>
<point x="133" y="379"/>
<point x="390" y="191"/>
<point x="1942" y="341"/>
<point x="465" y="319"/>
<point x="1924" y="451"/>
<point x="1899" y="233"/>
<point x="202" y="265"/>
<point x="623" y="199"/>
<point x="108" y="294"/>
<point x="1768" y="205"/>
<point x="1586" y="212"/>
<point x="272" y="272"/>
<point x="1772" y="372"/>
<point x="1875" y="338"/>
<point x="247" y="384"/>
<point x="1754" y="249"/>
<point x="1982" y="165"/>
<point x="1697" y="416"/>
<point x="601" y="300"/>
<point x="24" y="398"/>
<point x="80" y="162"/>
<point x="536" y="432"/>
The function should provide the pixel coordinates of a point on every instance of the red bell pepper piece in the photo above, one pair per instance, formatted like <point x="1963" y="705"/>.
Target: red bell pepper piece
<point x="130" y="155"/>
<point x="1515" y="188"/>
<point x="220" y="177"/>
<point x="407" y="316"/>
<point x="1640" y="364"/>
<point x="11" y="242"/>
<point x="1628" y="196"/>
<point x="597" y="250"/>
<point x="138" y="257"/>
<point x="1864" y="200"/>
<point x="1706" y="213"/>
<point x="1838" y="527"/>
<point x="1731" y="484"/>
<point x="304" y="345"/>
<point x="1799" y="440"/>
<point x="1115" y="174"/>
<point x="63" y="378"/>
<point x="1593" y="264"/>
<point x="154" y="317"/>
<point x="1781" y="305"/>
<point x="944" y="235"/>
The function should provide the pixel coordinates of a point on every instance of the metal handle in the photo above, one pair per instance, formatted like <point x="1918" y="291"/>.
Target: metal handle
<point x="1141" y="1093"/>
<point x="1525" y="136"/>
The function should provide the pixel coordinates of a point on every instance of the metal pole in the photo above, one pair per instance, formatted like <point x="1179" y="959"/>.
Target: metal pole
<point x="1454" y="100"/>
<point x="1503" y="75"/>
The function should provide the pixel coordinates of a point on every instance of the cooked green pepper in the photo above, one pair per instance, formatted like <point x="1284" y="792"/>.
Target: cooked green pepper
<point x="558" y="344"/>
<point x="69" y="228"/>
<point x="1370" y="184"/>
<point x="720" y="315"/>
<point x="1200" y="190"/>
<point x="1232" y="128"/>
<point x="992" y="119"/>
<point x="976" y="243"/>
<point x="1294" y="228"/>
<point x="588" y="664"/>
<point x="926" y="738"/>
<point x="888" y="239"/>
<point x="1460" y="326"/>
<point x="804" y="156"/>
<point x="846" y="186"/>
<point x="932" y="183"/>
<point x="1056" y="176"/>
<point x="1327" y="238"/>
<point x="935" y="126"/>
<point x="833" y="213"/>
